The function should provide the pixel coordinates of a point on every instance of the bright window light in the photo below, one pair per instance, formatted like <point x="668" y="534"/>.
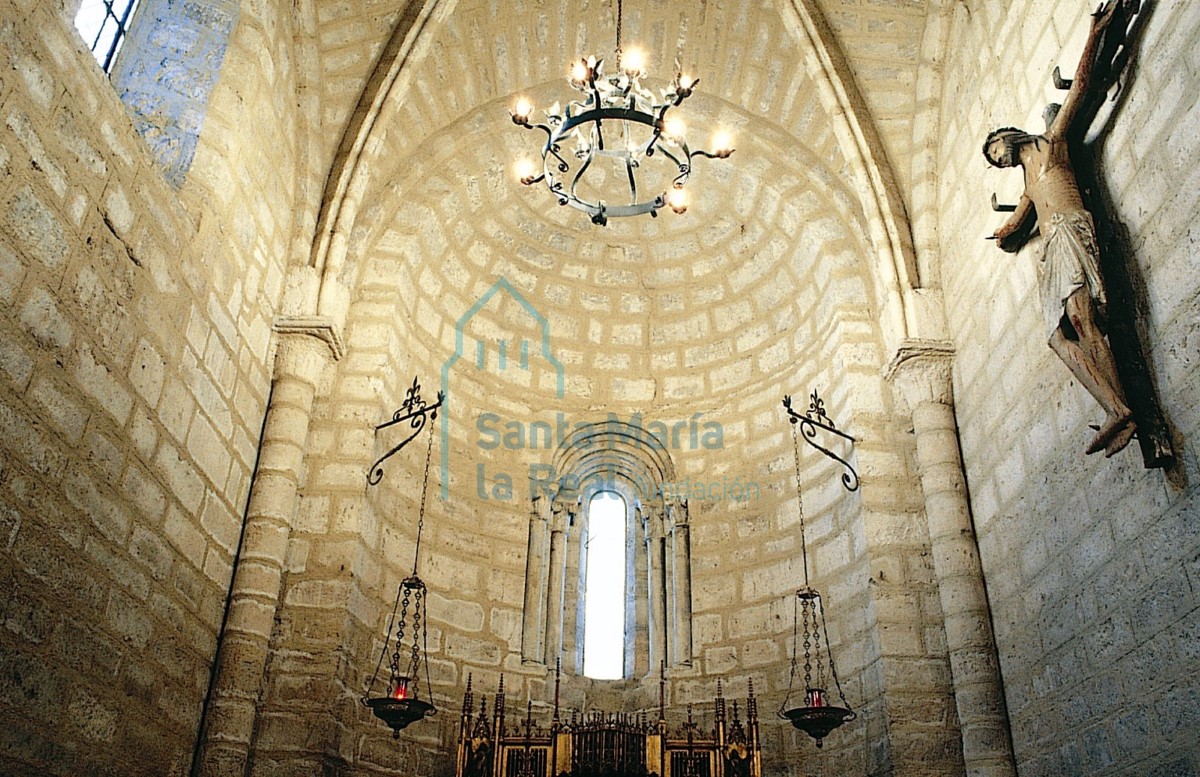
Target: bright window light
<point x="103" y="24"/>
<point x="604" y="591"/>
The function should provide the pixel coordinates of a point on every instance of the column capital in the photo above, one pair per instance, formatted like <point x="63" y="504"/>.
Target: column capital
<point x="677" y="513"/>
<point x="540" y="510"/>
<point x="920" y="372"/>
<point x="562" y="515"/>
<point x="654" y="521"/>
<point x="321" y="328"/>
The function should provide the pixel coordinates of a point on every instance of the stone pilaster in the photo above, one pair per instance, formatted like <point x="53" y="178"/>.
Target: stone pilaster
<point x="921" y="376"/>
<point x="305" y="348"/>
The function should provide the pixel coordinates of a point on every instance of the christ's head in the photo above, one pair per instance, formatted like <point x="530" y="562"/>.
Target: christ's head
<point x="1002" y="147"/>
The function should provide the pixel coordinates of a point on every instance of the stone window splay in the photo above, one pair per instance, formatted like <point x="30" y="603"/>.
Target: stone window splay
<point x="609" y="465"/>
<point x="171" y="53"/>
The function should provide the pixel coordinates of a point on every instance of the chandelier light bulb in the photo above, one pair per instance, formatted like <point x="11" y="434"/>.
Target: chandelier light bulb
<point x="678" y="200"/>
<point x="674" y="128"/>
<point x="526" y="171"/>
<point x="633" y="62"/>
<point x="685" y="82"/>
<point x="579" y="72"/>
<point x="523" y="108"/>
<point x="722" y="143"/>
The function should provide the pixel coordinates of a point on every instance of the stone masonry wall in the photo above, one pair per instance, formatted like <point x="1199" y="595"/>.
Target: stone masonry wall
<point x="134" y="344"/>
<point x="779" y="304"/>
<point x="1091" y="564"/>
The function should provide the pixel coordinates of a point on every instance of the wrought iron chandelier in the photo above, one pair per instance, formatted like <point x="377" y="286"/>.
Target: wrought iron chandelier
<point x="817" y="716"/>
<point x="401" y="704"/>
<point x="622" y="122"/>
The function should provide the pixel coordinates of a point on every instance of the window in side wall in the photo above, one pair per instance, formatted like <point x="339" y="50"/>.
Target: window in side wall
<point x="103" y="25"/>
<point x="171" y="53"/>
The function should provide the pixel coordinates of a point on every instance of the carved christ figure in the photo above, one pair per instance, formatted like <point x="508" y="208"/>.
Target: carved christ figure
<point x="479" y="758"/>
<point x="737" y="760"/>
<point x="1072" y="291"/>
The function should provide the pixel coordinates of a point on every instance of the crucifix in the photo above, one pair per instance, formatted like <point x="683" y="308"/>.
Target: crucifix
<point x="1089" y="330"/>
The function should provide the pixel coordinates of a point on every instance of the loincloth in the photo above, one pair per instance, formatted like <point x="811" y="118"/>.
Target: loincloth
<point x="1070" y="261"/>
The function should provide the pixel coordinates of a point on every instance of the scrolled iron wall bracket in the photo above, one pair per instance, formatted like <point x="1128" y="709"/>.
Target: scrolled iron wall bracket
<point x="416" y="412"/>
<point x="817" y="418"/>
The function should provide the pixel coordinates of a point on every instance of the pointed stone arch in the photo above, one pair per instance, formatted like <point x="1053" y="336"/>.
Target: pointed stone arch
<point x="906" y="311"/>
<point x="349" y="173"/>
<point x="894" y="266"/>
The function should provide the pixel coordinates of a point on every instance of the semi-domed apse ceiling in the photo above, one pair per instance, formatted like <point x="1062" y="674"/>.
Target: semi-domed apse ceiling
<point x="645" y="311"/>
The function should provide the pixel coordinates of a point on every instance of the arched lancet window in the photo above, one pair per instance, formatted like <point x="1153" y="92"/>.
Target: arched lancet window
<point x="604" y="587"/>
<point x="609" y="458"/>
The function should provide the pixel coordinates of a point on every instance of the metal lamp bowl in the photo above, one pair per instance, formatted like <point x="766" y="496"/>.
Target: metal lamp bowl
<point x="398" y="714"/>
<point x="817" y="722"/>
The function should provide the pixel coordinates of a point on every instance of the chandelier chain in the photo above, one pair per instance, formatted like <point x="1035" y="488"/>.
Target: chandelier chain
<point x="620" y="14"/>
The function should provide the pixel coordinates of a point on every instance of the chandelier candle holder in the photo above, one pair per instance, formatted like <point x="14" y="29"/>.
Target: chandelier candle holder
<point x="620" y="120"/>
<point x="816" y="715"/>
<point x="401" y="704"/>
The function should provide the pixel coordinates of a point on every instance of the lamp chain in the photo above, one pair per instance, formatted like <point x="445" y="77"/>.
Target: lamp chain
<point x="800" y="502"/>
<point x="806" y="615"/>
<point x="414" y="666"/>
<point x="817" y="604"/>
<point x="383" y="653"/>
<point x="832" y="666"/>
<point x="400" y="629"/>
<point x="421" y="509"/>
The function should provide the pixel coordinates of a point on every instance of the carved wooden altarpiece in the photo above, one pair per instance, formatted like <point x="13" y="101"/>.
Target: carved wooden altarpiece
<point x="604" y="744"/>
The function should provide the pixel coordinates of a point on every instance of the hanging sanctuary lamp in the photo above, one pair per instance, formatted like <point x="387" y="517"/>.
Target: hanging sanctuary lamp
<point x="816" y="714"/>
<point x="401" y="703"/>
